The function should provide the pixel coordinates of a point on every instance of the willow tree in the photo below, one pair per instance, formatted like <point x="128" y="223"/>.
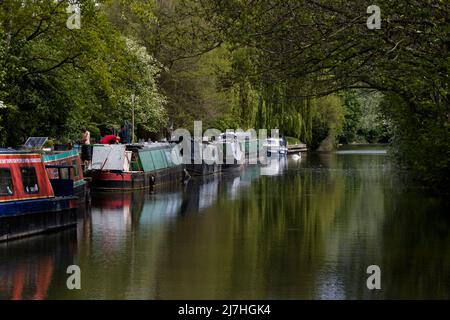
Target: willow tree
<point x="328" y="44"/>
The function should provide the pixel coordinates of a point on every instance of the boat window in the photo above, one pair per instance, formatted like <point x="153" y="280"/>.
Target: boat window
<point x="159" y="159"/>
<point x="52" y="173"/>
<point x="75" y="168"/>
<point x="169" y="157"/>
<point x="65" y="174"/>
<point x="29" y="180"/>
<point x="6" y="185"/>
<point x="146" y="160"/>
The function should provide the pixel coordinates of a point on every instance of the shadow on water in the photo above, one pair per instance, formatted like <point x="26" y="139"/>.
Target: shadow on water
<point x="290" y="230"/>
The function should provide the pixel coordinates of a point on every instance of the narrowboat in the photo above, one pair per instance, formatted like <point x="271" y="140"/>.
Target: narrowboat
<point x="131" y="167"/>
<point x="28" y="204"/>
<point x="204" y="159"/>
<point x="250" y="147"/>
<point x="232" y="151"/>
<point x="55" y="163"/>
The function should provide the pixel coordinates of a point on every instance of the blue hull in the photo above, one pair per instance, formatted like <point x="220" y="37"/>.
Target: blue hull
<point x="24" y="218"/>
<point x="15" y="208"/>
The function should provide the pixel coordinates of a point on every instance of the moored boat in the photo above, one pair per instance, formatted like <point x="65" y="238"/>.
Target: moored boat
<point x="130" y="167"/>
<point x="203" y="159"/>
<point x="56" y="162"/>
<point x="232" y="150"/>
<point x="275" y="146"/>
<point x="28" y="204"/>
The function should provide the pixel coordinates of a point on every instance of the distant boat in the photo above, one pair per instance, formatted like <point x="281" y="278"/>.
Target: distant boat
<point x="275" y="146"/>
<point x="204" y="158"/>
<point x="28" y="204"/>
<point x="232" y="150"/>
<point x="130" y="167"/>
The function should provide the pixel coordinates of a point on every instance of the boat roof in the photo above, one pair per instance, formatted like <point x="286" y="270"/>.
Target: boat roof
<point x="14" y="151"/>
<point x="274" y="139"/>
<point x="59" y="155"/>
<point x="149" y="146"/>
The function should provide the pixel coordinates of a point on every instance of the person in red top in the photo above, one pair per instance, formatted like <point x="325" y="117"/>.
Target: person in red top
<point x="110" y="139"/>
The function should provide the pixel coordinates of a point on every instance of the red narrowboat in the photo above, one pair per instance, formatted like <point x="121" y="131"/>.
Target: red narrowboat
<point x="28" y="204"/>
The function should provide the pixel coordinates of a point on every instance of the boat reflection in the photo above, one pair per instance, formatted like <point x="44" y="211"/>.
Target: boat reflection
<point x="114" y="216"/>
<point x="200" y="193"/>
<point x="30" y="267"/>
<point x="112" y="213"/>
<point x="160" y="208"/>
<point x="121" y="213"/>
<point x="276" y="166"/>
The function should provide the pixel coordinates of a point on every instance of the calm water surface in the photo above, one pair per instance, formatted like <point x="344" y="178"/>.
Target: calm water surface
<point x="292" y="230"/>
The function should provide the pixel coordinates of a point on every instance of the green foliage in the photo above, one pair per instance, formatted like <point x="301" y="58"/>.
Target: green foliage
<point x="292" y="141"/>
<point x="327" y="45"/>
<point x="364" y="121"/>
<point x="57" y="80"/>
<point x="352" y="118"/>
<point x="327" y="120"/>
<point x="375" y="127"/>
<point x="421" y="143"/>
<point x="309" y="68"/>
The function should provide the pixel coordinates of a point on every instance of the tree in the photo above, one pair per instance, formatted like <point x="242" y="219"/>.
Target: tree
<point x="57" y="80"/>
<point x="327" y="44"/>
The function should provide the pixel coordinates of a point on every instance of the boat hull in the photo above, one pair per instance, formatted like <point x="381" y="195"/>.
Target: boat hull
<point x="29" y="217"/>
<point x="203" y="169"/>
<point x="81" y="190"/>
<point x="102" y="180"/>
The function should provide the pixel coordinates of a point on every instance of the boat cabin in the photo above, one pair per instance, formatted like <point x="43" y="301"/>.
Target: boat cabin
<point x="23" y="177"/>
<point x="28" y="204"/>
<point x="66" y="165"/>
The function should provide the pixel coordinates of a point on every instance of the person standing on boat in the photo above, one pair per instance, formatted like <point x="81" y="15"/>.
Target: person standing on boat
<point x="86" y="140"/>
<point x="86" y="149"/>
<point x="124" y="136"/>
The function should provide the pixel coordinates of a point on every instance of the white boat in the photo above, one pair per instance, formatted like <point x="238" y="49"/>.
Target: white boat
<point x="276" y="146"/>
<point x="232" y="150"/>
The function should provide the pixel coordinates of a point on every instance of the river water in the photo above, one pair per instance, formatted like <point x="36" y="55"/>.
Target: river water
<point x="292" y="230"/>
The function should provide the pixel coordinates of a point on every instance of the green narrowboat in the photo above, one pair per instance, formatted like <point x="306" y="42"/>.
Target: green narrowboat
<point x="132" y="167"/>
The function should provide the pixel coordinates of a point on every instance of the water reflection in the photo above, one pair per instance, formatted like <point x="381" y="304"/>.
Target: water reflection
<point x="29" y="267"/>
<point x="275" y="166"/>
<point x="200" y="193"/>
<point x="294" y="229"/>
